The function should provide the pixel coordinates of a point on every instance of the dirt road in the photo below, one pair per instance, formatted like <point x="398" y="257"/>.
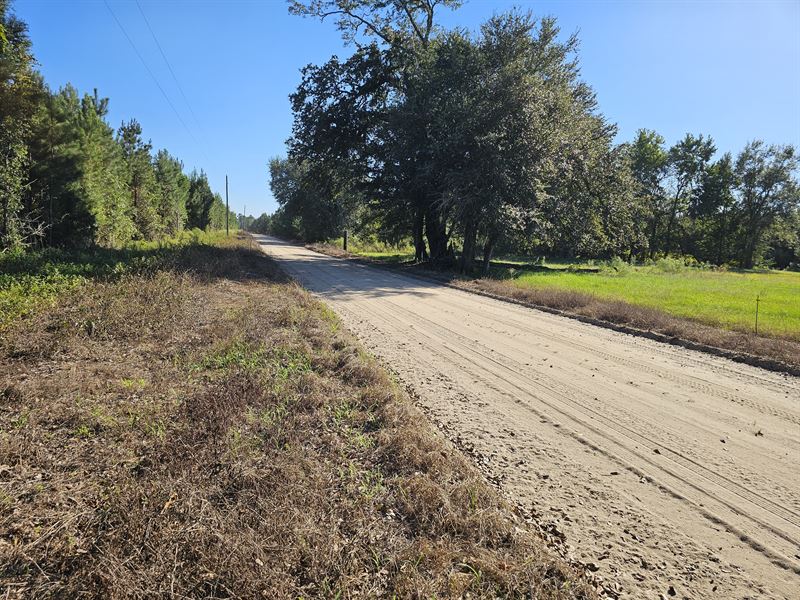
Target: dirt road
<point x="673" y="473"/>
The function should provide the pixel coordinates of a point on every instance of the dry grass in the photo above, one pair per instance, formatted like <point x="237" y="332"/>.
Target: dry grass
<point x="208" y="430"/>
<point x="643" y="318"/>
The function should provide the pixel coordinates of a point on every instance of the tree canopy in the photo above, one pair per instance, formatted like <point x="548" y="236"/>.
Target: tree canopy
<point x="67" y="178"/>
<point x="463" y="141"/>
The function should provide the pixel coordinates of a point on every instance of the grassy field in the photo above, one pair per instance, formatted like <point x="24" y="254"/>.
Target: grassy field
<point x="182" y="421"/>
<point x="725" y="299"/>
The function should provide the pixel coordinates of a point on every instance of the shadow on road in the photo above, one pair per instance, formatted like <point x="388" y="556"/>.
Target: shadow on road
<point x="341" y="279"/>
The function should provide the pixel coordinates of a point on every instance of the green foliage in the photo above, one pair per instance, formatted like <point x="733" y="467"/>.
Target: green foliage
<point x="767" y="190"/>
<point x="318" y="211"/>
<point x="21" y="92"/>
<point x="463" y="141"/>
<point x="141" y="180"/>
<point x="173" y="192"/>
<point x="281" y="363"/>
<point x="204" y="208"/>
<point x="262" y="224"/>
<point x="614" y="267"/>
<point x="66" y="180"/>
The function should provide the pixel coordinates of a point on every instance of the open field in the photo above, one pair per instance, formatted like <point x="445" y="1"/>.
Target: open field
<point x="672" y="471"/>
<point x="192" y="424"/>
<point x="724" y="299"/>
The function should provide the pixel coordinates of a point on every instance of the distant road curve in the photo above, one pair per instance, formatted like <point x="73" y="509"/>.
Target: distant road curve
<point x="662" y="466"/>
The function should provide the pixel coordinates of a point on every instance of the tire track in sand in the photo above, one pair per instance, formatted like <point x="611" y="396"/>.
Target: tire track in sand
<point x="719" y="519"/>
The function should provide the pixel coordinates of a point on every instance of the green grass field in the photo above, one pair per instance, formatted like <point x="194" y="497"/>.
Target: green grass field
<point x="726" y="299"/>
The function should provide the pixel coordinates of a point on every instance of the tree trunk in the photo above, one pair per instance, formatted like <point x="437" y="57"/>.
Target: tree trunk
<point x="488" y="248"/>
<point x="468" y="249"/>
<point x="723" y="233"/>
<point x="436" y="234"/>
<point x="749" y="252"/>
<point x="751" y="241"/>
<point x="653" y="232"/>
<point x="420" y="252"/>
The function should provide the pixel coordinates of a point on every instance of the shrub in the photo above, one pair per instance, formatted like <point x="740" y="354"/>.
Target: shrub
<point x="669" y="264"/>
<point x="615" y="266"/>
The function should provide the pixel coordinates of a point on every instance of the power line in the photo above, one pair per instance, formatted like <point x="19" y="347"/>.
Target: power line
<point x="174" y="77"/>
<point x="155" y="79"/>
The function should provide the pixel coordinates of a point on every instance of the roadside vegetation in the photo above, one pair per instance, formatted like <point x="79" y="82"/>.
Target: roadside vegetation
<point x="182" y="420"/>
<point x="29" y="280"/>
<point x="727" y="299"/>
<point x="69" y="179"/>
<point x="697" y="303"/>
<point x="476" y="144"/>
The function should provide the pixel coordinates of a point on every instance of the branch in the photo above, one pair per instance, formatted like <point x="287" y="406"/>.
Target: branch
<point x="410" y="16"/>
<point x="359" y="18"/>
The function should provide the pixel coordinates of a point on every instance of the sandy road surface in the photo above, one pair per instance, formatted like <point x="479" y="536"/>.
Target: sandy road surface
<point x="662" y="466"/>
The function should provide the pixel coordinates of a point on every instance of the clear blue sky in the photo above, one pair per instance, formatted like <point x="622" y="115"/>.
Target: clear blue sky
<point x="727" y="69"/>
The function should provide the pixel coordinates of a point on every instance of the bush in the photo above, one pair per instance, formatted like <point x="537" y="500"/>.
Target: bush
<point x="615" y="266"/>
<point x="670" y="264"/>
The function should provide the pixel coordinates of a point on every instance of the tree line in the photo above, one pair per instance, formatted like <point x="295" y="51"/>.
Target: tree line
<point x="67" y="178"/>
<point x="472" y="143"/>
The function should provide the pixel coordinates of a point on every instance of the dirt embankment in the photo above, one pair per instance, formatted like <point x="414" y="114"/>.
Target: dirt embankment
<point x="670" y="472"/>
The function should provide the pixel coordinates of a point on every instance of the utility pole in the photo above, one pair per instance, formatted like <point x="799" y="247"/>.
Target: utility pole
<point x="227" y="209"/>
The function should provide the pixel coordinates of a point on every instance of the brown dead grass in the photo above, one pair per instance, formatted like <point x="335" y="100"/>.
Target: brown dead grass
<point x="208" y="430"/>
<point x="643" y="318"/>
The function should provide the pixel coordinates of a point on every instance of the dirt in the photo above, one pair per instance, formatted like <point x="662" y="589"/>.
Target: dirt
<point x="670" y="473"/>
<point x="205" y="429"/>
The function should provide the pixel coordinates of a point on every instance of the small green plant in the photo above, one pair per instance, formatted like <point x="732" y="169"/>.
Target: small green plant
<point x="102" y="417"/>
<point x="342" y="413"/>
<point x="330" y="318"/>
<point x="377" y="559"/>
<point x="473" y="499"/>
<point x="133" y="384"/>
<point x="238" y="354"/>
<point x="83" y="431"/>
<point x="371" y="483"/>
<point x="359" y="440"/>
<point x="156" y="428"/>
<point x="477" y="576"/>
<point x="273" y="416"/>
<point x="21" y="420"/>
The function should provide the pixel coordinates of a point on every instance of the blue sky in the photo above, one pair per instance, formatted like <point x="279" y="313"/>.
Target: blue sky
<point x="726" y="69"/>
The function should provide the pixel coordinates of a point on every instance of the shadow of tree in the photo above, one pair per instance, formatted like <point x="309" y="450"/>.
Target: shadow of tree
<point x="228" y="260"/>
